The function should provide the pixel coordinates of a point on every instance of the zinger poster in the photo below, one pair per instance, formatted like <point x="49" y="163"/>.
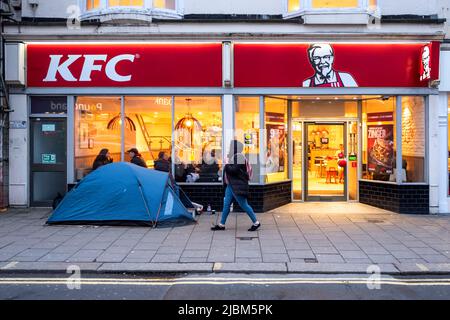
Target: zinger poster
<point x="380" y="148"/>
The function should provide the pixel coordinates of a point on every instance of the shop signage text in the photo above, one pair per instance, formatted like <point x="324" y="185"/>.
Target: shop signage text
<point x="62" y="65"/>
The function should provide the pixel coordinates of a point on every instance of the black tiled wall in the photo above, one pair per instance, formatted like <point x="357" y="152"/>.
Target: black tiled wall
<point x="412" y="199"/>
<point x="262" y="197"/>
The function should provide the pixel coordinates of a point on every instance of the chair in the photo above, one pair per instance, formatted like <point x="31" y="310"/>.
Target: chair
<point x="318" y="163"/>
<point x="332" y="172"/>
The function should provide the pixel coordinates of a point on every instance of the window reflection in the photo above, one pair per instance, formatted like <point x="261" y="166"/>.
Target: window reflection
<point x="379" y="140"/>
<point x="152" y="133"/>
<point x="97" y="127"/>
<point x="247" y="131"/>
<point x="276" y="133"/>
<point x="198" y="139"/>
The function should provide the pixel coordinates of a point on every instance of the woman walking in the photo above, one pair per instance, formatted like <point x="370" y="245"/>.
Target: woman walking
<point x="236" y="177"/>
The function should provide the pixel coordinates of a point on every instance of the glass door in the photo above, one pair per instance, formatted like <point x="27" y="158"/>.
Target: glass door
<point x="297" y="160"/>
<point x="48" y="160"/>
<point x="325" y="161"/>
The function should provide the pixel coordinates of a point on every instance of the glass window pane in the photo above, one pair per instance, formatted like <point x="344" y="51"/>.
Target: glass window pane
<point x="379" y="136"/>
<point x="126" y="3"/>
<point x="92" y="4"/>
<point x="97" y="126"/>
<point x="276" y="134"/>
<point x="247" y="131"/>
<point x="150" y="129"/>
<point x="164" y="4"/>
<point x="448" y="138"/>
<point x="413" y="138"/>
<point x="293" y="5"/>
<point x="198" y="139"/>
<point x="297" y="161"/>
<point x="316" y="4"/>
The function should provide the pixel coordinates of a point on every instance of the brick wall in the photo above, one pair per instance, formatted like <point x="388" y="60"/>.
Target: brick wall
<point x="410" y="199"/>
<point x="262" y="197"/>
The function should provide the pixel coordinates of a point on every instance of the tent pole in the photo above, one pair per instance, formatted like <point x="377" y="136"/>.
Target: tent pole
<point x="160" y="204"/>
<point x="145" y="201"/>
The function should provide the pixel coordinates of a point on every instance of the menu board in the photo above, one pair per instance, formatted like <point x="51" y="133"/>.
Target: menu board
<point x="380" y="148"/>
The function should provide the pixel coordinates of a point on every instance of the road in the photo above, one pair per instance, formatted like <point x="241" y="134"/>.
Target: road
<point x="221" y="286"/>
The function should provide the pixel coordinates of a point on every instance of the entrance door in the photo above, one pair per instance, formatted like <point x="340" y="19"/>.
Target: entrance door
<point x="325" y="146"/>
<point x="48" y="160"/>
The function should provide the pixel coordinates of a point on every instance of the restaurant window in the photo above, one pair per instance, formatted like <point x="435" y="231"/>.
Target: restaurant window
<point x="97" y="126"/>
<point x="379" y="140"/>
<point x="247" y="126"/>
<point x="413" y="138"/>
<point x="198" y="139"/>
<point x="148" y="127"/>
<point x="276" y="168"/>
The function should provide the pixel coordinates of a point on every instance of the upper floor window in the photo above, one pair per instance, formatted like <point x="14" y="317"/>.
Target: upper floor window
<point x="107" y="10"/>
<point x="300" y="5"/>
<point x="157" y="4"/>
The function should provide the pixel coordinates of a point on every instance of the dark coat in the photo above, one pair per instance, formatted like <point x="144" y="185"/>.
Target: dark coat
<point x="139" y="161"/>
<point x="237" y="175"/>
<point x="101" y="160"/>
<point x="162" y="165"/>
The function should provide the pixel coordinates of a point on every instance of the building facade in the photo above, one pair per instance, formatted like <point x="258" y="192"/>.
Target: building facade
<point x="333" y="100"/>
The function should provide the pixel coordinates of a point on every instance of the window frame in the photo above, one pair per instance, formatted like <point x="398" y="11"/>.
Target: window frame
<point x="147" y="8"/>
<point x="306" y="8"/>
<point x="398" y="125"/>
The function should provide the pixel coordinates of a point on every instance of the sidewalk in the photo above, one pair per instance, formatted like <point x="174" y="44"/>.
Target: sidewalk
<point x="297" y="238"/>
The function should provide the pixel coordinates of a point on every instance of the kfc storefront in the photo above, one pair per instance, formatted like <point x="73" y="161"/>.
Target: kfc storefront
<point x="319" y="121"/>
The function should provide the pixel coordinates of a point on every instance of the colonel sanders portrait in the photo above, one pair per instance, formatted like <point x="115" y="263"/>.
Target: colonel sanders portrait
<point x="321" y="57"/>
<point x="426" y="70"/>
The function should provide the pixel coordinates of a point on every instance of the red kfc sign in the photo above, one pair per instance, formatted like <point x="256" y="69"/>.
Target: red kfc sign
<point x="332" y="65"/>
<point x="134" y="65"/>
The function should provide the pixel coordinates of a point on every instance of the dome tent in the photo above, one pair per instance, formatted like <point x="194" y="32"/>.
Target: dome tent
<point x="121" y="194"/>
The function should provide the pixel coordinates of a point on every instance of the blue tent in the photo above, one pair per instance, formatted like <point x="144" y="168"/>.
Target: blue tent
<point x="121" y="194"/>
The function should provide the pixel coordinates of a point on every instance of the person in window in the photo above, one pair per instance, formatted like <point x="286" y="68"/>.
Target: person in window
<point x="136" y="158"/>
<point x="103" y="158"/>
<point x="162" y="163"/>
<point x="209" y="170"/>
<point x="237" y="174"/>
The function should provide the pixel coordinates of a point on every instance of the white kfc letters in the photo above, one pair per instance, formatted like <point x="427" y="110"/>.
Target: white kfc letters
<point x="92" y="62"/>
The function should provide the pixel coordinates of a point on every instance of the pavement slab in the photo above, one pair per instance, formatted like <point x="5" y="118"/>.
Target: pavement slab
<point x="298" y="237"/>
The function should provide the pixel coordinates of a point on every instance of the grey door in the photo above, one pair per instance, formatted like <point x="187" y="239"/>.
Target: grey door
<point x="48" y="160"/>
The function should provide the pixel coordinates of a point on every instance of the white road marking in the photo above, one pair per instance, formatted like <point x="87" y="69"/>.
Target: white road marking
<point x="224" y="281"/>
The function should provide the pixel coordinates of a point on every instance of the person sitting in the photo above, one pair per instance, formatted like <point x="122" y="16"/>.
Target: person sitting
<point x="136" y="158"/>
<point x="162" y="163"/>
<point x="209" y="170"/>
<point x="103" y="158"/>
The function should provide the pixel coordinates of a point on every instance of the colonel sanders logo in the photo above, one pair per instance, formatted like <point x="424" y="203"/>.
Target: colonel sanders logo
<point x="321" y="57"/>
<point x="426" y="68"/>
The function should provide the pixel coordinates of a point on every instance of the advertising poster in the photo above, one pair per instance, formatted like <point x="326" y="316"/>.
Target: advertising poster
<point x="380" y="148"/>
<point x="276" y="140"/>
